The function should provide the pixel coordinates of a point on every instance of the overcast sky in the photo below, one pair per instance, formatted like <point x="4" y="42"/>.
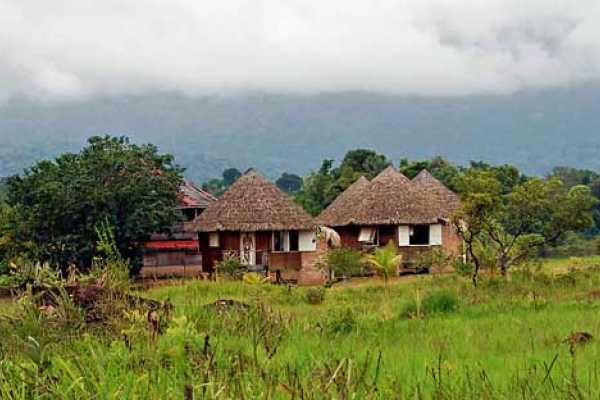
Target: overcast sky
<point x="63" y="49"/>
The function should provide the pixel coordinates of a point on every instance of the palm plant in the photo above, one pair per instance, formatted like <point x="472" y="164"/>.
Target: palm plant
<point x="385" y="261"/>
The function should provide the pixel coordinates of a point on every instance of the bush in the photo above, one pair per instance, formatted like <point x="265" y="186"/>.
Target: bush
<point x="345" y="262"/>
<point x="230" y="266"/>
<point x="463" y="268"/>
<point x="441" y="302"/>
<point x="315" y="295"/>
<point x="342" y="322"/>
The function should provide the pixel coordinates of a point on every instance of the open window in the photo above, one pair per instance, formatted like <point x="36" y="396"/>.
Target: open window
<point x="294" y="240"/>
<point x="279" y="240"/>
<point x="419" y="235"/>
<point x="286" y="241"/>
<point x="368" y="235"/>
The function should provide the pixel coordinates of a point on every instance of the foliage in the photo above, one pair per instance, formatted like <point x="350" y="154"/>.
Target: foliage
<point x="290" y="183"/>
<point x="315" y="295"/>
<point x="58" y="203"/>
<point x="455" y="349"/>
<point x="439" y="167"/>
<point x="517" y="224"/>
<point x="323" y="186"/>
<point x="345" y="262"/>
<point x="385" y="260"/>
<point x="254" y="278"/>
<point x="218" y="186"/>
<point x="438" y="302"/>
<point x="230" y="266"/>
<point x="434" y="258"/>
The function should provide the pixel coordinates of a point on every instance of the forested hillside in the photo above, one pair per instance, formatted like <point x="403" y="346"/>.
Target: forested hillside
<point x="534" y="130"/>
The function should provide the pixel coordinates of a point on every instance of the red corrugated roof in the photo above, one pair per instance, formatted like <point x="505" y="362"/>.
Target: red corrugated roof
<point x="172" y="245"/>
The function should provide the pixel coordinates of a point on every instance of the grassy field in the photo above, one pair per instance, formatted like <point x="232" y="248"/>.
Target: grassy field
<point x="418" y="337"/>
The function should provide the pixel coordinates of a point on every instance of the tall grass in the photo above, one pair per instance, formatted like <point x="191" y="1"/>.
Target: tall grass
<point x="504" y="340"/>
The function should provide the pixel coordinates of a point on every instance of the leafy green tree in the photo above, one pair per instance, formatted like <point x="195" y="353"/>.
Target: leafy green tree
<point x="364" y="162"/>
<point x="323" y="186"/>
<point x="290" y="183"/>
<point x="230" y="175"/>
<point x="508" y="175"/>
<point x="215" y="186"/>
<point x="516" y="225"/>
<point x="439" y="167"/>
<point x="315" y="195"/>
<point x="57" y="204"/>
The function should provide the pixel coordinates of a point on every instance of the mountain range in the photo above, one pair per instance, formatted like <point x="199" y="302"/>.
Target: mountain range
<point x="532" y="129"/>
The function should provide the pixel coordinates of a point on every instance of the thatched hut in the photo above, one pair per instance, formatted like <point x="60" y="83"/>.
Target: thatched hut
<point x="415" y="214"/>
<point x="259" y="223"/>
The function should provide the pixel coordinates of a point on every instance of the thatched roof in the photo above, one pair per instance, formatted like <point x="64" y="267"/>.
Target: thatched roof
<point x="390" y="198"/>
<point x="447" y="201"/>
<point x="253" y="204"/>
<point x="340" y="211"/>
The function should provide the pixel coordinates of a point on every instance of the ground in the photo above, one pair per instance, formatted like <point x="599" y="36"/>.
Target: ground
<point x="417" y="337"/>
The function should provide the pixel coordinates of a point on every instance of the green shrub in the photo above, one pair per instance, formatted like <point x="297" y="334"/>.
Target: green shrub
<point x="441" y="302"/>
<point x="341" y="322"/>
<point x="230" y="266"/>
<point x="315" y="295"/>
<point x="345" y="262"/>
<point x="463" y="268"/>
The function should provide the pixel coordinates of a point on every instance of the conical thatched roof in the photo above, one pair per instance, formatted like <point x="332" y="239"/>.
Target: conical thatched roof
<point x="253" y="204"/>
<point x="447" y="200"/>
<point x="391" y="198"/>
<point x="341" y="210"/>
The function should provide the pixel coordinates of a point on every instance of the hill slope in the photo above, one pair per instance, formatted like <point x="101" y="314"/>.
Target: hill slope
<point x="535" y="130"/>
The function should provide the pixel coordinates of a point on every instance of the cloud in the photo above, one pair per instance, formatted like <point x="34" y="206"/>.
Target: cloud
<point x="72" y="49"/>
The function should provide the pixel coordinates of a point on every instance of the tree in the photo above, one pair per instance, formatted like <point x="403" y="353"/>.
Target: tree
<point x="58" y="204"/>
<point x="290" y="183"/>
<point x="230" y="175"/>
<point x="439" y="167"/>
<point x="385" y="260"/>
<point x="365" y="162"/>
<point x="315" y="196"/>
<point x="323" y="186"/>
<point x="515" y="225"/>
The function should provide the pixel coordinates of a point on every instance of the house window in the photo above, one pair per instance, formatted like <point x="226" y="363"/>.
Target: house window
<point x="419" y="235"/>
<point x="294" y="239"/>
<point x="368" y="235"/>
<point x="213" y="239"/>
<point x="279" y="240"/>
<point x="286" y="241"/>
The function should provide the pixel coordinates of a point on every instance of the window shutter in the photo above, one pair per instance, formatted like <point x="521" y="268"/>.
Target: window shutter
<point x="213" y="239"/>
<point x="403" y="235"/>
<point x="286" y="241"/>
<point x="307" y="241"/>
<point x="435" y="234"/>
<point x="366" y="235"/>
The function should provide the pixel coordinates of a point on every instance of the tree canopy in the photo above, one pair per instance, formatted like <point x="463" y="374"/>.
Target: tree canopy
<point x="514" y="225"/>
<point x="290" y="183"/>
<point x="55" y="206"/>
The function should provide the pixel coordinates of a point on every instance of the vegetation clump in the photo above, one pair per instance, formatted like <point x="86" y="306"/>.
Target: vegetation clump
<point x="315" y="295"/>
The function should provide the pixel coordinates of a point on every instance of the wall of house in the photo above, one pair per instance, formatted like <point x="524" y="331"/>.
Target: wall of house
<point x="451" y="242"/>
<point x="228" y="241"/>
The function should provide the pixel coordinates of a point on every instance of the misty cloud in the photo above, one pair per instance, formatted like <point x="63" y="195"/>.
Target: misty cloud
<point x="64" y="49"/>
